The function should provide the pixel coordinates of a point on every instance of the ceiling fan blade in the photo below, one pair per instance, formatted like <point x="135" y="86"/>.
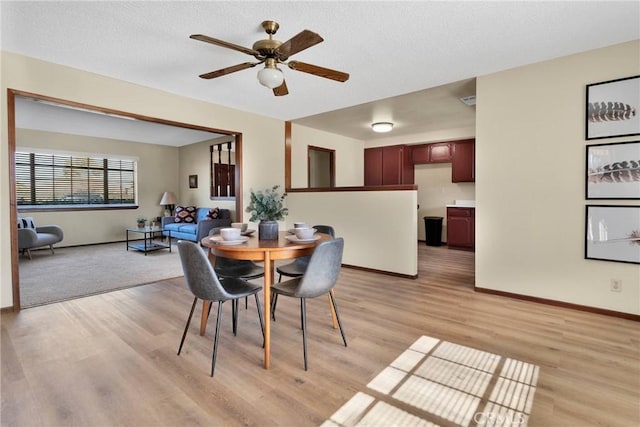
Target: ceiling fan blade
<point x="228" y="70"/>
<point x="327" y="73"/>
<point x="223" y="43"/>
<point x="281" y="90"/>
<point x="301" y="41"/>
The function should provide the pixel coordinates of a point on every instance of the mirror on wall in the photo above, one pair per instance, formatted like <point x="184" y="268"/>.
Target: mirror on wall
<point x="321" y="167"/>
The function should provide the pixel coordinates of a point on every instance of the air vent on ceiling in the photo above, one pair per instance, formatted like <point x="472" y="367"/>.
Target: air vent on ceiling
<point x="469" y="100"/>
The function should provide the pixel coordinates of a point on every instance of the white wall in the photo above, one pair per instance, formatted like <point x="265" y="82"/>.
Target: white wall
<point x="262" y="136"/>
<point x="377" y="226"/>
<point x="530" y="203"/>
<point x="349" y="156"/>
<point x="435" y="191"/>
<point x="194" y="160"/>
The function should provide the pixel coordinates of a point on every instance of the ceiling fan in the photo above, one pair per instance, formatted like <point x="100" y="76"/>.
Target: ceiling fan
<point x="272" y="52"/>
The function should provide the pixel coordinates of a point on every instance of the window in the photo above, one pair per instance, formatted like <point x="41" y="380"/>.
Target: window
<point x="55" y="180"/>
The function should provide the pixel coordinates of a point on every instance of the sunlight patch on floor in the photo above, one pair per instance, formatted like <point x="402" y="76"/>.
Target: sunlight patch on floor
<point x="437" y="381"/>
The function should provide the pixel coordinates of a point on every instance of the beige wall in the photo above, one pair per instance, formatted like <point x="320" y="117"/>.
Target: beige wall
<point x="435" y="191"/>
<point x="262" y="136"/>
<point x="194" y="160"/>
<point x="349" y="156"/>
<point x="377" y="226"/>
<point x="157" y="172"/>
<point x="530" y="164"/>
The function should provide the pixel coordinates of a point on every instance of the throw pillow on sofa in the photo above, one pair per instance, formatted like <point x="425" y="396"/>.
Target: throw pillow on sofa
<point x="213" y="213"/>
<point x="26" y="222"/>
<point x="185" y="214"/>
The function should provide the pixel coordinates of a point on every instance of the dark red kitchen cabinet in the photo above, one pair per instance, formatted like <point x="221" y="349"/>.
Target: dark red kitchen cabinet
<point x="390" y="165"/>
<point x="461" y="228"/>
<point x="439" y="152"/>
<point x="463" y="161"/>
<point x="373" y="166"/>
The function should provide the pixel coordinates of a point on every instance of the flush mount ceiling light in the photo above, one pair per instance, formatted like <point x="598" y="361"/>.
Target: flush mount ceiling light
<point x="382" y="127"/>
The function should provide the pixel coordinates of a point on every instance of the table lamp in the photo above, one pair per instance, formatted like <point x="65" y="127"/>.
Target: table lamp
<point x="169" y="201"/>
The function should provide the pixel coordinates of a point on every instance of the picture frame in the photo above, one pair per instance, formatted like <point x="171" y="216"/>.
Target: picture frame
<point x="612" y="233"/>
<point x="193" y="181"/>
<point x="613" y="108"/>
<point x="612" y="171"/>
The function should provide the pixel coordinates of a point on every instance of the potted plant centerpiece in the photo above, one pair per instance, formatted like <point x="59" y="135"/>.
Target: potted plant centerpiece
<point x="141" y="221"/>
<point x="267" y="207"/>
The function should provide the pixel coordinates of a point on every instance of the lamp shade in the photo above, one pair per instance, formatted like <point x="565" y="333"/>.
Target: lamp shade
<point x="168" y="198"/>
<point x="382" y="127"/>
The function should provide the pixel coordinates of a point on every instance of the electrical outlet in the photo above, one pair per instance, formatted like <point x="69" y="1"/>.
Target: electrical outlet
<point x="616" y="285"/>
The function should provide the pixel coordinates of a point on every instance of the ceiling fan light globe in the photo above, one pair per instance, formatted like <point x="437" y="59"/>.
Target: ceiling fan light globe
<point x="270" y="77"/>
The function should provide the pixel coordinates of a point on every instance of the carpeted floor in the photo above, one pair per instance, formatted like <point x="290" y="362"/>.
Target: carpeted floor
<point x="87" y="270"/>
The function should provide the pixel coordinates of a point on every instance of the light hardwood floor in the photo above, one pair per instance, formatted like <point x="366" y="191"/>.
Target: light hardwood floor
<point x="110" y="359"/>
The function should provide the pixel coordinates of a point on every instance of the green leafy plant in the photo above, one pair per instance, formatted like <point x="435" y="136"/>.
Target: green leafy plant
<point x="141" y="219"/>
<point x="267" y="205"/>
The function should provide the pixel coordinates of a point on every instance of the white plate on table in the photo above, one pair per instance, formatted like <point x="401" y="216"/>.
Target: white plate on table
<point x="247" y="232"/>
<point x="293" y="230"/>
<point x="220" y="241"/>
<point x="294" y="239"/>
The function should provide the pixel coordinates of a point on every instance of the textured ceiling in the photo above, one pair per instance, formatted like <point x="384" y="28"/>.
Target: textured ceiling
<point x="389" y="48"/>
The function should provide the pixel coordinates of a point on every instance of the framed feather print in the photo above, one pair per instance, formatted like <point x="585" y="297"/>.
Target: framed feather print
<point x="613" y="108"/>
<point x="613" y="233"/>
<point x="613" y="171"/>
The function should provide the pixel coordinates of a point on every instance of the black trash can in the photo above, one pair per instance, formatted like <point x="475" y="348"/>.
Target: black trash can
<point x="433" y="230"/>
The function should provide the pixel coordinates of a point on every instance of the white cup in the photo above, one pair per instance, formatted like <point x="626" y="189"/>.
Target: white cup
<point x="241" y="225"/>
<point x="305" y="233"/>
<point x="230" y="233"/>
<point x="300" y="225"/>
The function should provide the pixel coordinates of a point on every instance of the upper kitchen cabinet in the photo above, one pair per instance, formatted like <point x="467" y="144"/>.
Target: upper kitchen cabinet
<point x="463" y="161"/>
<point x="431" y="153"/>
<point x="390" y="165"/>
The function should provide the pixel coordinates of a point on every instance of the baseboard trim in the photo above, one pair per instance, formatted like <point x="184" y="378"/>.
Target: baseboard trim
<point x="387" y="273"/>
<point x="5" y="310"/>
<point x="611" y="313"/>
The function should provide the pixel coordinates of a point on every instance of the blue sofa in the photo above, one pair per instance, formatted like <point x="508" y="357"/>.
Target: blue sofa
<point x="198" y="230"/>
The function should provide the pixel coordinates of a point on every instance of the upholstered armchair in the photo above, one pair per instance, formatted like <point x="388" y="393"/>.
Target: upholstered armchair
<point x="31" y="238"/>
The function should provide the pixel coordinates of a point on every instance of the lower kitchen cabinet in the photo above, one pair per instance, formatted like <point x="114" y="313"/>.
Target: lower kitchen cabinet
<point x="461" y="228"/>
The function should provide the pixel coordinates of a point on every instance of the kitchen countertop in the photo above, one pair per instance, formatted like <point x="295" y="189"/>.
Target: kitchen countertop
<point x="463" y="204"/>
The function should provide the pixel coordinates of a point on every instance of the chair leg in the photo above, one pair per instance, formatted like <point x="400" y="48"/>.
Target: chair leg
<point x="51" y="247"/>
<point x="335" y="308"/>
<point x="234" y="321"/>
<point x="184" y="334"/>
<point x="246" y="303"/>
<point x="29" y="253"/>
<point x="260" y="316"/>
<point x="280" y="278"/>
<point x="274" y="302"/>
<point x="303" y="320"/>
<point x="215" y="338"/>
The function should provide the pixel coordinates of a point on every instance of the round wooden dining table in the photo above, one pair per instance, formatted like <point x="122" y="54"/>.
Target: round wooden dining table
<point x="266" y="251"/>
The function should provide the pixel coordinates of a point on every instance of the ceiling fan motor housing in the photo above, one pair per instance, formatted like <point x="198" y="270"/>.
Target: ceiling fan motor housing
<point x="267" y="48"/>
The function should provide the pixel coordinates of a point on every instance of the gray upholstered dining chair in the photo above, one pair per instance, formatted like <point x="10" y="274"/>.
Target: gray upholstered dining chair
<point x="319" y="279"/>
<point x="299" y="265"/>
<point x="227" y="268"/>
<point x="205" y="285"/>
